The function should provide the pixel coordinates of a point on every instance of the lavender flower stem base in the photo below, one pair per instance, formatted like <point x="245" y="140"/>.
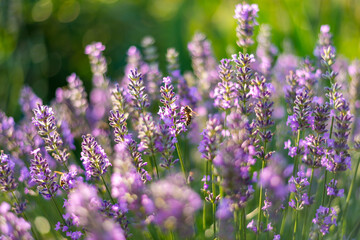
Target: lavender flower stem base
<point x="180" y="159"/>
<point x="156" y="167"/>
<point x="108" y="191"/>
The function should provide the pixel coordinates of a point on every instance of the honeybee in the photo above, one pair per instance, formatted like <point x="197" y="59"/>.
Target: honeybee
<point x="188" y="115"/>
<point x="61" y="181"/>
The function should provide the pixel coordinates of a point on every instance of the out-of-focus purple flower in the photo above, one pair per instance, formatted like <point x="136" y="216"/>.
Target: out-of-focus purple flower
<point x="97" y="62"/>
<point x="7" y="180"/>
<point x="225" y="216"/>
<point x="234" y="160"/>
<point x="224" y="92"/>
<point x="28" y="101"/>
<point x="325" y="41"/>
<point x="165" y="144"/>
<point x="94" y="158"/>
<point x="203" y="63"/>
<point x="76" y="94"/>
<point x="292" y="150"/>
<point x="45" y="123"/>
<point x="245" y="15"/>
<point x="212" y="137"/>
<point x="324" y="219"/>
<point x="42" y="175"/>
<point x="67" y="134"/>
<point x="147" y="134"/>
<point x="85" y="205"/>
<point x="175" y="204"/>
<point x="265" y="52"/>
<point x="252" y="226"/>
<point x="277" y="237"/>
<point x="126" y="183"/>
<point x="11" y="226"/>
<point x="298" y="185"/>
<point x="284" y="64"/>
<point x="120" y="100"/>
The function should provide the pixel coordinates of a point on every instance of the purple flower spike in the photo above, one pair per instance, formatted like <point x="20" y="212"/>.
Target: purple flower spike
<point x="245" y="15"/>
<point x="118" y="122"/>
<point x="225" y="91"/>
<point x="45" y="123"/>
<point x="94" y="157"/>
<point x="97" y="62"/>
<point x="42" y="175"/>
<point x="324" y="219"/>
<point x="298" y="186"/>
<point x="137" y="90"/>
<point x="7" y="180"/>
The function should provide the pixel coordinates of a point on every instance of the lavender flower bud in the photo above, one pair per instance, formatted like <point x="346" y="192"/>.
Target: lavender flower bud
<point x="302" y="117"/>
<point x="211" y="138"/>
<point x="118" y="122"/>
<point x="28" y="101"/>
<point x="94" y="158"/>
<point x="225" y="91"/>
<point x="332" y="190"/>
<point x="165" y="144"/>
<point x="147" y="134"/>
<point x="150" y="51"/>
<point x="76" y="94"/>
<point x="137" y="90"/>
<point x="42" y="175"/>
<point x="7" y="180"/>
<point x="97" y="62"/>
<point x="45" y="123"/>
<point x="243" y="77"/>
<point x="245" y="15"/>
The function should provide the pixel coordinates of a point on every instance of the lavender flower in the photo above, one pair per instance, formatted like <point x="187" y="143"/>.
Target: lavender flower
<point x="137" y="90"/>
<point x="94" y="158"/>
<point x="165" y="144"/>
<point x="42" y="175"/>
<point x="245" y="15"/>
<point x="224" y="214"/>
<point x="324" y="219"/>
<point x="291" y="89"/>
<point x="120" y="100"/>
<point x="85" y="205"/>
<point x="28" y="101"/>
<point x="298" y="186"/>
<point x="203" y="62"/>
<point x="211" y="138"/>
<point x="147" y="134"/>
<point x="11" y="226"/>
<point x="243" y="78"/>
<point x="45" y="123"/>
<point x="7" y="180"/>
<point x="97" y="62"/>
<point x="324" y="44"/>
<point x="76" y="94"/>
<point x="332" y="190"/>
<point x="118" y="122"/>
<point x="234" y="160"/>
<point x="126" y="183"/>
<point x="174" y="204"/>
<point x="225" y="91"/>
<point x="302" y="117"/>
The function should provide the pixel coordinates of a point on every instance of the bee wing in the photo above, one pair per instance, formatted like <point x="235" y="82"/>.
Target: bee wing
<point x="195" y="113"/>
<point x="61" y="173"/>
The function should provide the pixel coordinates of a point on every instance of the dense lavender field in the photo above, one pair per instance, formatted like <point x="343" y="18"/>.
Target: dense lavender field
<point x="262" y="145"/>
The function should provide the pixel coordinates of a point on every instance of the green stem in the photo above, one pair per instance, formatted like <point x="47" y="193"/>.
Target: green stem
<point x="181" y="160"/>
<point x="58" y="209"/>
<point x="108" y="191"/>
<point x="295" y="224"/>
<point x="243" y="215"/>
<point x="307" y="207"/>
<point x="204" y="207"/>
<point x="350" y="192"/>
<point x="236" y="220"/>
<point x="296" y="158"/>
<point x="324" y="189"/>
<point x="156" y="167"/>
<point x="260" y="201"/>
<point x="213" y="188"/>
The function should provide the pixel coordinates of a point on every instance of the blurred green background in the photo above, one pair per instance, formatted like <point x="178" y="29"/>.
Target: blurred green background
<point x="43" y="41"/>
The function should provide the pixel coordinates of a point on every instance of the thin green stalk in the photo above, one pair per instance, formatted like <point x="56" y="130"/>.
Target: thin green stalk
<point x="213" y="188"/>
<point x="181" y="160"/>
<point x="58" y="209"/>
<point x="108" y="191"/>
<point x="307" y="207"/>
<point x="243" y="215"/>
<point x="324" y="189"/>
<point x="296" y="158"/>
<point x="260" y="201"/>
<point x="295" y="224"/>
<point x="204" y="206"/>
<point x="349" y="195"/>
<point x="236" y="220"/>
<point x="156" y="167"/>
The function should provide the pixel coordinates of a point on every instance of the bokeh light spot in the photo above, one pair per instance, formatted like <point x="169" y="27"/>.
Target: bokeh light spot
<point x="42" y="10"/>
<point x="42" y="224"/>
